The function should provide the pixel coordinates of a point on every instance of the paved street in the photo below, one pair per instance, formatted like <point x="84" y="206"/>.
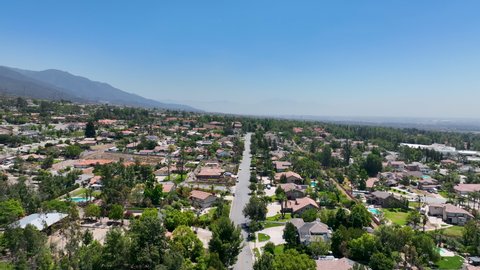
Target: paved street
<point x="245" y="259"/>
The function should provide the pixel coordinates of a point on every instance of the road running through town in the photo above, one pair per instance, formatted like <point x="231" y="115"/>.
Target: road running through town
<point x="245" y="258"/>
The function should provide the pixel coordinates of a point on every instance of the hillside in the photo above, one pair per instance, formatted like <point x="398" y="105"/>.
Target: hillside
<point x="57" y="84"/>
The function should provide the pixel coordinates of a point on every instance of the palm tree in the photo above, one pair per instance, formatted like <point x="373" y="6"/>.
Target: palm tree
<point x="281" y="198"/>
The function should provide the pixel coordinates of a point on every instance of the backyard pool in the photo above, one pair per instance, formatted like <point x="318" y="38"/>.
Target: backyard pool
<point x="374" y="211"/>
<point x="78" y="199"/>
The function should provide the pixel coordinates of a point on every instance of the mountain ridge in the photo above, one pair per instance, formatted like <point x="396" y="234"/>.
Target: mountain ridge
<point x="59" y="84"/>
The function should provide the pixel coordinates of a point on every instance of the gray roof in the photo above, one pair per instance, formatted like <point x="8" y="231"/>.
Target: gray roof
<point x="311" y="230"/>
<point x="381" y="194"/>
<point x="40" y="221"/>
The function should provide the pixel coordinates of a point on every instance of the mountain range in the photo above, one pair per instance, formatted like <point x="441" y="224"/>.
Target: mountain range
<point x="55" y="84"/>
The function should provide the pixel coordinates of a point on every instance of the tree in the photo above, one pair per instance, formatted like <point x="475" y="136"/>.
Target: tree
<point x="149" y="248"/>
<point x="28" y="248"/>
<point x="116" y="250"/>
<point x="326" y="156"/>
<point x="269" y="247"/>
<point x="93" y="211"/>
<point x="281" y="198"/>
<point x="471" y="237"/>
<point x="414" y="218"/>
<point x="256" y="209"/>
<point x="90" y="256"/>
<point x="47" y="162"/>
<point x="87" y="238"/>
<point x="265" y="262"/>
<point x="373" y="164"/>
<point x="116" y="212"/>
<point x="90" y="130"/>
<point x="360" y="217"/>
<point x="72" y="151"/>
<point x="10" y="211"/>
<point x="226" y="241"/>
<point x="290" y="234"/>
<point x="190" y="246"/>
<point x="291" y="259"/>
<point x="318" y="248"/>
<point x="175" y="218"/>
<point x="378" y="261"/>
<point x="363" y="247"/>
<point x="310" y="215"/>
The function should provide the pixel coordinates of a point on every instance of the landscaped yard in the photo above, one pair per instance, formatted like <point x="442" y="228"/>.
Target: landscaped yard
<point x="5" y="266"/>
<point x="450" y="263"/>
<point x="278" y="217"/>
<point x="263" y="237"/>
<point x="278" y="249"/>
<point x="396" y="216"/>
<point x="414" y="205"/>
<point x="453" y="231"/>
<point x="270" y="224"/>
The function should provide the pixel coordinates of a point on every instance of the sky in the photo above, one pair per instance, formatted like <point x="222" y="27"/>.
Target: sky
<point x="393" y="58"/>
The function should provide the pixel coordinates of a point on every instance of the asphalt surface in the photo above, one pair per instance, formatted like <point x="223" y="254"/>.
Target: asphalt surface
<point x="245" y="258"/>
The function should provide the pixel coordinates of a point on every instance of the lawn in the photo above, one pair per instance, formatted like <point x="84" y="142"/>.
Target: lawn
<point x="443" y="193"/>
<point x="413" y="205"/>
<point x="278" y="217"/>
<point x="449" y="263"/>
<point x="79" y="192"/>
<point x="396" y="216"/>
<point x="270" y="224"/>
<point x="278" y="249"/>
<point x="263" y="237"/>
<point x="257" y="253"/>
<point x="5" y="266"/>
<point x="453" y="231"/>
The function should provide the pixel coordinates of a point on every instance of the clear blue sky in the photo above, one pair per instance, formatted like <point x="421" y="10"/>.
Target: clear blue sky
<point x="365" y="58"/>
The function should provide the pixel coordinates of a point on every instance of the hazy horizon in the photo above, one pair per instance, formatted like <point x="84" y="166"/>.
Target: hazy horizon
<point x="367" y="59"/>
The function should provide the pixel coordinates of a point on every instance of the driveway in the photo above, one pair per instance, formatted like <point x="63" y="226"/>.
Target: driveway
<point x="204" y="236"/>
<point x="273" y="209"/>
<point x="276" y="236"/>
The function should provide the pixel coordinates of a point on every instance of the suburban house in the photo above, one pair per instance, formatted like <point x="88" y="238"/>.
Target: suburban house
<point x="210" y="173"/>
<point x="281" y="166"/>
<point x="428" y="184"/>
<point x="311" y="231"/>
<point x="42" y="221"/>
<point x="450" y="213"/>
<point x="385" y="199"/>
<point x="293" y="191"/>
<point x="464" y="189"/>
<point x="300" y="205"/>
<point x="291" y="177"/>
<point x="167" y="187"/>
<point x="335" y="264"/>
<point x="397" y="165"/>
<point x="370" y="183"/>
<point x="202" y="199"/>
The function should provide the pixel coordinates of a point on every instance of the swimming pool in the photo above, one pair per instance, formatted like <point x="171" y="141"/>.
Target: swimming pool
<point x="78" y="199"/>
<point x="374" y="211"/>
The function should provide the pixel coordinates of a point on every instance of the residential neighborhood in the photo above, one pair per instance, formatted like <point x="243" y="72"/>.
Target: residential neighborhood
<point x="300" y="192"/>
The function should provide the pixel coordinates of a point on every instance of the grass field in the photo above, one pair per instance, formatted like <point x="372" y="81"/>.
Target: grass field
<point x="453" y="231"/>
<point x="396" y="216"/>
<point x="450" y="263"/>
<point x="263" y="237"/>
